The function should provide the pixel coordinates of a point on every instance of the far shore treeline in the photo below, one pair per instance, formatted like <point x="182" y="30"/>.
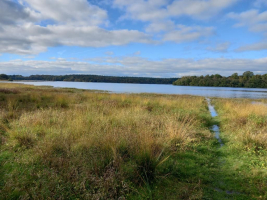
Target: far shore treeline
<point x="247" y="80"/>
<point x="90" y="78"/>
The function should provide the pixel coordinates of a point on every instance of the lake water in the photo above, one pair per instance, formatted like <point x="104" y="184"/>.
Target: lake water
<point x="224" y="92"/>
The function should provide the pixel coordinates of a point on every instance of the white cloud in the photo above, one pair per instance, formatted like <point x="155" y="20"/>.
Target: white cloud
<point x="152" y="10"/>
<point x="159" y="26"/>
<point x="143" y="10"/>
<point x="80" y="23"/>
<point x="76" y="13"/>
<point x="136" y="66"/>
<point x="221" y="47"/>
<point x="75" y="23"/>
<point x="260" y="3"/>
<point x="61" y="59"/>
<point x="253" y="47"/>
<point x="161" y="13"/>
<point x="12" y="13"/>
<point x="35" y="39"/>
<point x="109" y="53"/>
<point x="186" y="33"/>
<point x="169" y="31"/>
<point x="256" y="22"/>
<point x="198" y="9"/>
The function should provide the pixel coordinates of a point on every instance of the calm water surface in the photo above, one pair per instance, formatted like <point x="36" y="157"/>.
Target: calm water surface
<point x="224" y="92"/>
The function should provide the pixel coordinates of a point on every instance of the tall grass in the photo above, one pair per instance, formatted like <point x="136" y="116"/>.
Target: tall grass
<point x="69" y="143"/>
<point x="248" y="122"/>
<point x="244" y="127"/>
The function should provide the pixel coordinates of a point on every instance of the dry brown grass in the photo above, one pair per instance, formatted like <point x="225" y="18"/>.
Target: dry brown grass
<point x="108" y="123"/>
<point x="246" y="122"/>
<point x="83" y="139"/>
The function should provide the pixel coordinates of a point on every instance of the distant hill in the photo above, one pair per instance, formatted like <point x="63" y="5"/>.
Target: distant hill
<point x="95" y="78"/>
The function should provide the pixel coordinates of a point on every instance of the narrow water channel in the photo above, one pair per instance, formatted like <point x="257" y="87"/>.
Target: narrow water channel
<point x="215" y="128"/>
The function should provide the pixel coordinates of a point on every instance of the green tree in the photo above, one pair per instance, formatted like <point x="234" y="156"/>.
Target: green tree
<point x="248" y="74"/>
<point x="234" y="76"/>
<point x="4" y="77"/>
<point x="248" y="79"/>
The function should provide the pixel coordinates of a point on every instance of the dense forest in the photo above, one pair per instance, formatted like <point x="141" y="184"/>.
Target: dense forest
<point x="4" y="77"/>
<point x="247" y="79"/>
<point x="95" y="78"/>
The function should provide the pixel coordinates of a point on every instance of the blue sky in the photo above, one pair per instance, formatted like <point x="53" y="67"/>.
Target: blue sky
<point x="156" y="38"/>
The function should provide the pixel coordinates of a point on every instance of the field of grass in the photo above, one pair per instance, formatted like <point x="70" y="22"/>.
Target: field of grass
<point x="78" y="144"/>
<point x="244" y="132"/>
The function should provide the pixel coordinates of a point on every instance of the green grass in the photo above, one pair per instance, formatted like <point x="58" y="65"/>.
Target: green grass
<point x="77" y="144"/>
<point x="244" y="134"/>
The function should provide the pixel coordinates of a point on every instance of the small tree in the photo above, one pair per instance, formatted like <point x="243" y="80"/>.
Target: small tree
<point x="235" y="76"/>
<point x="218" y="76"/>
<point x="248" y="74"/>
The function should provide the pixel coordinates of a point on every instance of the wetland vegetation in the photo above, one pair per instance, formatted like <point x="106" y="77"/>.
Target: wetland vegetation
<point x="80" y="144"/>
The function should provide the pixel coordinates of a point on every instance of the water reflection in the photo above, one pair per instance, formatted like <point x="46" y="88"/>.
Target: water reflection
<point x="223" y="92"/>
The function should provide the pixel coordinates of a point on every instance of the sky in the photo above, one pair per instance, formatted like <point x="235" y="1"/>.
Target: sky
<point x="145" y="38"/>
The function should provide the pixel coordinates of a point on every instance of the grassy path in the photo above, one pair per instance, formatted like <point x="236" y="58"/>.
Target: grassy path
<point x="222" y="183"/>
<point x="243" y="127"/>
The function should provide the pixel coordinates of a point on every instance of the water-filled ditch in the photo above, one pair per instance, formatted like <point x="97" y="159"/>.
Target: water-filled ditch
<point x="215" y="128"/>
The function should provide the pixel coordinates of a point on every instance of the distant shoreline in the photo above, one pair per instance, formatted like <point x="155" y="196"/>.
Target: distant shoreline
<point x="94" y="79"/>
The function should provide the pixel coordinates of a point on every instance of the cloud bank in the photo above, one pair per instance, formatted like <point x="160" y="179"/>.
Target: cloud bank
<point x="136" y="66"/>
<point x="69" y="23"/>
<point x="31" y="26"/>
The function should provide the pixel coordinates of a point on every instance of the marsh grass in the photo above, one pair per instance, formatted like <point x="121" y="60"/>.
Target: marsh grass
<point x="77" y="144"/>
<point x="244" y="127"/>
<point x="247" y="121"/>
<point x="69" y="143"/>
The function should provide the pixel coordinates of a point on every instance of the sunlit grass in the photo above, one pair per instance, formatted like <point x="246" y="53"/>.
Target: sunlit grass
<point x="93" y="145"/>
<point x="77" y="144"/>
<point x="247" y="121"/>
<point x="244" y="127"/>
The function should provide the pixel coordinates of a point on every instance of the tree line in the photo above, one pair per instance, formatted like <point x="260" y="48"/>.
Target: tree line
<point x="95" y="78"/>
<point x="247" y="79"/>
<point x="4" y="77"/>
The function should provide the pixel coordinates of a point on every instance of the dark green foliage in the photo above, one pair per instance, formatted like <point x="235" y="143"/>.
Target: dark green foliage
<point x="3" y="77"/>
<point x="248" y="74"/>
<point x="95" y="78"/>
<point x="248" y="80"/>
<point x="146" y="167"/>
